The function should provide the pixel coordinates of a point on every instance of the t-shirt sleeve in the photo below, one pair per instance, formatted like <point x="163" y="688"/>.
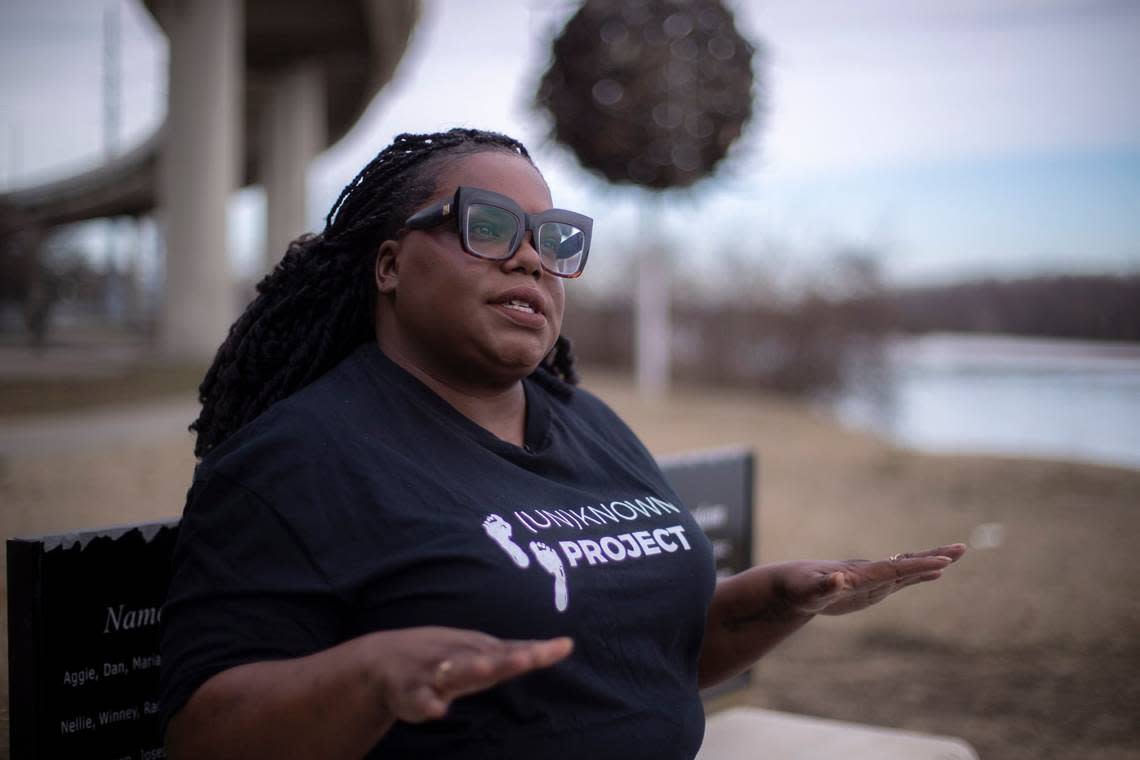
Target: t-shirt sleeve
<point x="606" y="423"/>
<point x="244" y="589"/>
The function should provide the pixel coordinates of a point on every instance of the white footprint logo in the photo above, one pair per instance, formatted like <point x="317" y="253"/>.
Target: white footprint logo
<point x="500" y="532"/>
<point x="551" y="564"/>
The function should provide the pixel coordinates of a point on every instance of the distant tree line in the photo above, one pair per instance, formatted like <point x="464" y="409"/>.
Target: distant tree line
<point x="40" y="277"/>
<point x="805" y="348"/>
<point x="1100" y="307"/>
<point x="826" y="338"/>
<point x="750" y="334"/>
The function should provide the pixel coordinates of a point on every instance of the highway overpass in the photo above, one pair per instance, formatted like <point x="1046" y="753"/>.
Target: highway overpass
<point x="257" y="88"/>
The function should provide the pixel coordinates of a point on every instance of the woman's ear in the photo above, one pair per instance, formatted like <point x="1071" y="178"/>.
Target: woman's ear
<point x="387" y="271"/>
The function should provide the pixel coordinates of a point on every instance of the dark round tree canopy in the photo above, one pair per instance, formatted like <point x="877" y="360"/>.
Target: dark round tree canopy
<point x="649" y="92"/>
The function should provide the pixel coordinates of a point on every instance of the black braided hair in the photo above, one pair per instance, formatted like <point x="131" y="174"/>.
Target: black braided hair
<point x="317" y="304"/>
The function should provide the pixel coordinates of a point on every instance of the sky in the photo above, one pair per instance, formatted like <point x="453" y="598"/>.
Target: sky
<point x="949" y="138"/>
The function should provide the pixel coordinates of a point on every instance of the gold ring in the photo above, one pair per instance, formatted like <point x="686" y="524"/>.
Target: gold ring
<point x="441" y="672"/>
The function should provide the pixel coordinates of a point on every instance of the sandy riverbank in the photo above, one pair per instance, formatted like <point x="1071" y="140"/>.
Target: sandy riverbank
<point x="1026" y="649"/>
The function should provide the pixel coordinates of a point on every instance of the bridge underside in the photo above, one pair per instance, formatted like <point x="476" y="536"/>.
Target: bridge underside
<point x="257" y="89"/>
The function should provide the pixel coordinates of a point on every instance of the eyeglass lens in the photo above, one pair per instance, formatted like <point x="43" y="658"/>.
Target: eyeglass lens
<point x="560" y="246"/>
<point x="493" y="233"/>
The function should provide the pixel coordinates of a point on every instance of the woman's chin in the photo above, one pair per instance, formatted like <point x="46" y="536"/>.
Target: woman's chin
<point x="517" y="362"/>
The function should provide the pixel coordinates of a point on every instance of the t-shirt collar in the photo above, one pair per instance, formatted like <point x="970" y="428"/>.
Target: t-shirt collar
<point x="536" y="433"/>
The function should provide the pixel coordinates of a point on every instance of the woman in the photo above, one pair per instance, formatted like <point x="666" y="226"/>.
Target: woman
<point x="409" y="535"/>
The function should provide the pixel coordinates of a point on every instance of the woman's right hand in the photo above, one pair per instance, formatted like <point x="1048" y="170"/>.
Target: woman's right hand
<point x="339" y="702"/>
<point x="422" y="670"/>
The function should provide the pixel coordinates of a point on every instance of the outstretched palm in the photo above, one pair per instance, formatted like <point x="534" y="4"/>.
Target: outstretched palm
<point x="837" y="587"/>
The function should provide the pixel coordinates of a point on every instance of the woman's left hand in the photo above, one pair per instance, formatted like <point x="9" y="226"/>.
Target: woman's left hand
<point x="812" y="587"/>
<point x="754" y="610"/>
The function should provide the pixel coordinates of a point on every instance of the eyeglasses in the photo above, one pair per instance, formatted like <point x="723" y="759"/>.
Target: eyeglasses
<point x="492" y="226"/>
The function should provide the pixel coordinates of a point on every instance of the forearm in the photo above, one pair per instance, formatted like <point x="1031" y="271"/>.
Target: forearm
<point x="749" y="615"/>
<point x="324" y="705"/>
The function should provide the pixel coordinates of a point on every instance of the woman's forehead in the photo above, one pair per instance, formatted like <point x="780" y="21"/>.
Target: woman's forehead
<point x="504" y="173"/>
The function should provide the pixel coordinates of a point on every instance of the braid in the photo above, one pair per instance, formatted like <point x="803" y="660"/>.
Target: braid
<point x="557" y="373"/>
<point x="317" y="304"/>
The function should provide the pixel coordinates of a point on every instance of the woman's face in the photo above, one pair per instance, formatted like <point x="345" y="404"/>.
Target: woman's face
<point x="452" y="313"/>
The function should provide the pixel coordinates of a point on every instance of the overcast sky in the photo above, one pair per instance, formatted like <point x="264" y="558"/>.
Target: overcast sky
<point x="955" y="137"/>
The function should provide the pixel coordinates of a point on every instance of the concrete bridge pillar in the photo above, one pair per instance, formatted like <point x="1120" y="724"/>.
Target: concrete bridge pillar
<point x="199" y="167"/>
<point x="652" y="328"/>
<point x="292" y="133"/>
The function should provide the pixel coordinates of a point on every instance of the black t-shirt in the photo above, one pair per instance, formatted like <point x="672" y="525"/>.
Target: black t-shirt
<point x="366" y="502"/>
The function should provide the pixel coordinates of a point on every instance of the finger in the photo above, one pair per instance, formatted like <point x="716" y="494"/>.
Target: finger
<point x="882" y="589"/>
<point x="902" y="565"/>
<point x="915" y="580"/>
<point x="485" y="670"/>
<point x="472" y="673"/>
<point x="552" y="650"/>
<point x="460" y="639"/>
<point x="423" y="704"/>
<point x="953" y="552"/>
<point x="483" y="658"/>
<point x="933" y="575"/>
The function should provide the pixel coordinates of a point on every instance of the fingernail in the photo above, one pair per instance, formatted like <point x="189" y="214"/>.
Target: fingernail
<point x="944" y="559"/>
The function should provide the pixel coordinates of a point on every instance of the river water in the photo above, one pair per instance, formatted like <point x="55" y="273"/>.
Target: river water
<point x="1061" y="399"/>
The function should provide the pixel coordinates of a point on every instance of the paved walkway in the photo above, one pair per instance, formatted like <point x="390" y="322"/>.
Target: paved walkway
<point x="78" y="358"/>
<point x="129" y="423"/>
<point x="82" y="357"/>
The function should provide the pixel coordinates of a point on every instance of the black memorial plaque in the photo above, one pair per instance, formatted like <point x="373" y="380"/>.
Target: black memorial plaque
<point x="83" y="638"/>
<point x="717" y="487"/>
<point x="84" y="612"/>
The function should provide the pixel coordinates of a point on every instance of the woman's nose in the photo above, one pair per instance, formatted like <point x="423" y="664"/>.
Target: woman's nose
<point x="525" y="258"/>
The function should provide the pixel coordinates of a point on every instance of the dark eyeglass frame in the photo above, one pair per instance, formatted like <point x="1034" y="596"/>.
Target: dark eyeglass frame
<point x="464" y="197"/>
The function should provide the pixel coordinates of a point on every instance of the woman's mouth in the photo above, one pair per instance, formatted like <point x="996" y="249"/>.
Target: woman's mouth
<point x="523" y="307"/>
<point x="517" y="305"/>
